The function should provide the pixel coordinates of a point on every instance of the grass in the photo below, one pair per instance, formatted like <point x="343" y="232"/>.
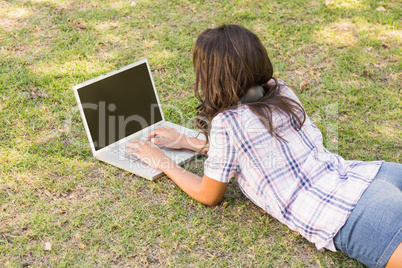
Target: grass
<point x="95" y="215"/>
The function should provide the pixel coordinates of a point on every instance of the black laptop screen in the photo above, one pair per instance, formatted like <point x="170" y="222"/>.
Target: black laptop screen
<point x="119" y="105"/>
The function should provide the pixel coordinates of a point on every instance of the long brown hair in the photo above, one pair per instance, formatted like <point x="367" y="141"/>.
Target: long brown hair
<point x="228" y="60"/>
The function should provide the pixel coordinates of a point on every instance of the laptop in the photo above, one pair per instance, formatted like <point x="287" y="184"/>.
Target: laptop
<point x="119" y="107"/>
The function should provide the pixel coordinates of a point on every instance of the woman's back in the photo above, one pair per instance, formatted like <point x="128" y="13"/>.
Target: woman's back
<point x="296" y="179"/>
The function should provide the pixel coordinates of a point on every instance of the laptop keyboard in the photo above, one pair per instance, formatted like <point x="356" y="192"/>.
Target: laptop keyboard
<point x="120" y="152"/>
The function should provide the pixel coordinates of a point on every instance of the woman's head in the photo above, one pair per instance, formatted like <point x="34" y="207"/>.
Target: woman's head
<point x="228" y="60"/>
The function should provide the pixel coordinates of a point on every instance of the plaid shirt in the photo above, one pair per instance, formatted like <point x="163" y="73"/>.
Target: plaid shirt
<point x="298" y="182"/>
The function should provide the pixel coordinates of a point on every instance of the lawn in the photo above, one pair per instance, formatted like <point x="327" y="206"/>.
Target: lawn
<point x="59" y="207"/>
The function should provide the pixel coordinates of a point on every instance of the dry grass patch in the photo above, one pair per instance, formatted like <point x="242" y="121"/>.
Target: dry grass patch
<point x="340" y="34"/>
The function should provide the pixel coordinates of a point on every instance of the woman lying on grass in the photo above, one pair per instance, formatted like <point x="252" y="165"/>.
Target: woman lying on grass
<point x="258" y="132"/>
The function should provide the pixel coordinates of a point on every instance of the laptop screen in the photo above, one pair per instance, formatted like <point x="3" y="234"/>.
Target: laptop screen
<point x="119" y="105"/>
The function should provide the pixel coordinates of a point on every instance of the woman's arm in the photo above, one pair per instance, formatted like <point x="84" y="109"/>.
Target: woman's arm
<point x="206" y="190"/>
<point x="196" y="145"/>
<point x="171" y="138"/>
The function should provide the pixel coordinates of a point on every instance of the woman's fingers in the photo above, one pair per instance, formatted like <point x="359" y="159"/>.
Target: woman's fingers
<point x="136" y="144"/>
<point x="132" y="151"/>
<point x="153" y="134"/>
<point x="161" y="137"/>
<point x="162" y="131"/>
<point x="159" y="141"/>
<point x="147" y="151"/>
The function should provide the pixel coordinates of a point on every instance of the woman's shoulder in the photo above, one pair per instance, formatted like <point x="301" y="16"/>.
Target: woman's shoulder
<point x="232" y="117"/>
<point x="230" y="113"/>
<point x="281" y="83"/>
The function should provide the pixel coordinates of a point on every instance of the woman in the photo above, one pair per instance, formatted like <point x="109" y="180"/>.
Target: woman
<point x="258" y="132"/>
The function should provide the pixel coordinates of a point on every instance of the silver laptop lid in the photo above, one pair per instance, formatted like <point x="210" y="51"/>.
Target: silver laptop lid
<point x="118" y="104"/>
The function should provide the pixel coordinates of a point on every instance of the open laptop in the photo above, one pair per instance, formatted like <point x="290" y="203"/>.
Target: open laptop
<point x="119" y="107"/>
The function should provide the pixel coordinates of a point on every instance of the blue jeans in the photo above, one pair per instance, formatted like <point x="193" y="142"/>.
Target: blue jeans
<point x="374" y="228"/>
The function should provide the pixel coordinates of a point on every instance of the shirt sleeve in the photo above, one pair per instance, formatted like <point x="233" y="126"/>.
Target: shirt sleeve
<point x="221" y="164"/>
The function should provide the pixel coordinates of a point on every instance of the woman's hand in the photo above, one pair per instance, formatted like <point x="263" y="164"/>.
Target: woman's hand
<point x="150" y="154"/>
<point x="171" y="138"/>
<point x="167" y="137"/>
<point x="205" y="190"/>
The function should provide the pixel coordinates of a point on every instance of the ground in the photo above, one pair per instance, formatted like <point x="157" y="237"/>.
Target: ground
<point x="60" y="207"/>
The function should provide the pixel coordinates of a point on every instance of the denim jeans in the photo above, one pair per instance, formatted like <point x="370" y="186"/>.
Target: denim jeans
<point x="374" y="228"/>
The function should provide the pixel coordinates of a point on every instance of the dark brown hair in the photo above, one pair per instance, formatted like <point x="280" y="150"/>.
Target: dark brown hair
<point x="228" y="60"/>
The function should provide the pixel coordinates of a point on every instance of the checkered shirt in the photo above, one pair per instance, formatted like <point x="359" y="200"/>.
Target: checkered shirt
<point x="298" y="182"/>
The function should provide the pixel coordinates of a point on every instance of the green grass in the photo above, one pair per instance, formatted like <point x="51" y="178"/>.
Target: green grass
<point x="94" y="215"/>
